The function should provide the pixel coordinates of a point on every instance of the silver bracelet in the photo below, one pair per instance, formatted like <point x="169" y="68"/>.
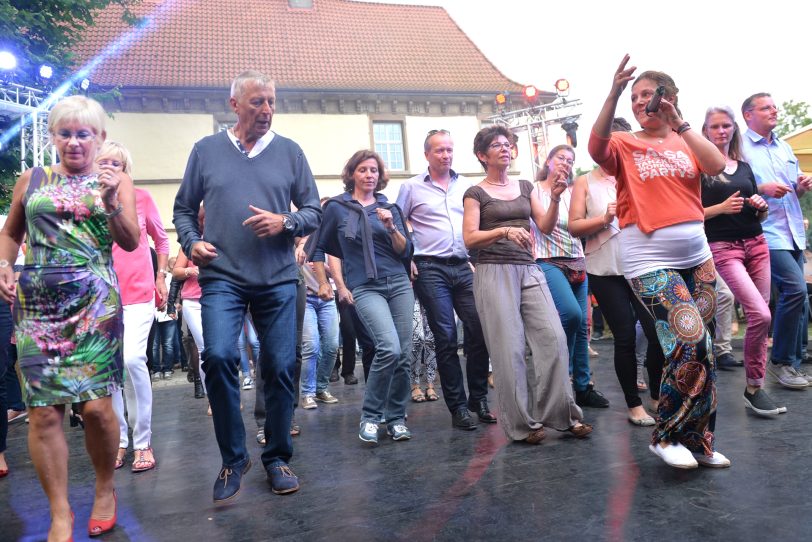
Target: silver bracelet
<point x="118" y="210"/>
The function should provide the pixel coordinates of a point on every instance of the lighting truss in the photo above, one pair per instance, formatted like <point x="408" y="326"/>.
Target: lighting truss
<point x="536" y="120"/>
<point x="25" y="105"/>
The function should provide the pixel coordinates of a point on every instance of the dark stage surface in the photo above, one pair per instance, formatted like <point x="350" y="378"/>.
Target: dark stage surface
<point x="447" y="484"/>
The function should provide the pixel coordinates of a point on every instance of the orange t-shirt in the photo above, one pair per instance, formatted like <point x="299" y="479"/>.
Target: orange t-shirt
<point x="658" y="184"/>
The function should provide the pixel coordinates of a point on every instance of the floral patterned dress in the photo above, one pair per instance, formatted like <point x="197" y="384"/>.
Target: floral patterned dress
<point x="68" y="316"/>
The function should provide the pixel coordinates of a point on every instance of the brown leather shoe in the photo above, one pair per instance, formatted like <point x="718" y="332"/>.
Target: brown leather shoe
<point x="580" y="431"/>
<point x="536" y="436"/>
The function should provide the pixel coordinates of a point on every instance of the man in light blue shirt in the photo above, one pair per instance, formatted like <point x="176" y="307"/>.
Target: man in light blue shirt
<point x="781" y="183"/>
<point x="432" y="202"/>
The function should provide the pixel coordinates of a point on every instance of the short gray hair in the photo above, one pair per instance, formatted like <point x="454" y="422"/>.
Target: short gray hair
<point x="238" y="85"/>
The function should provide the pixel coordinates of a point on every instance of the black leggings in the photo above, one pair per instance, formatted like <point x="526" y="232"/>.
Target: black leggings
<point x="621" y="309"/>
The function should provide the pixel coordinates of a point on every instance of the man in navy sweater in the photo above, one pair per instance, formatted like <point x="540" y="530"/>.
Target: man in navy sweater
<point x="248" y="177"/>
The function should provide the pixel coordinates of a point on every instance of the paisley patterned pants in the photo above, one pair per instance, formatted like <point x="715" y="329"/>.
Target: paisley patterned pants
<point x="683" y="304"/>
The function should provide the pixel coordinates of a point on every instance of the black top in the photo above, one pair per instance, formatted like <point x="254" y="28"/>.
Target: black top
<point x="743" y="225"/>
<point x="355" y="234"/>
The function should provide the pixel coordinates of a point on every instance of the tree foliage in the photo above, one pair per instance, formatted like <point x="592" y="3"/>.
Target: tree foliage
<point x="793" y="115"/>
<point x="40" y="32"/>
<point x="43" y="31"/>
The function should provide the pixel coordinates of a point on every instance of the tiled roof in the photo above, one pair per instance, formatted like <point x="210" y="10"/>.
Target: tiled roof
<point x="338" y="45"/>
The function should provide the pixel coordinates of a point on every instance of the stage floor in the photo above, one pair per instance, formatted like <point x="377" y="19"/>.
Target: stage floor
<point x="446" y="484"/>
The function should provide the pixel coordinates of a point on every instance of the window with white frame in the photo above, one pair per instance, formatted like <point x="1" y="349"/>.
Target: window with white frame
<point x="388" y="138"/>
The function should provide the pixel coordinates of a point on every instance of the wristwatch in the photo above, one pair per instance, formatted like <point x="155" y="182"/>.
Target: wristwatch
<point x="288" y="223"/>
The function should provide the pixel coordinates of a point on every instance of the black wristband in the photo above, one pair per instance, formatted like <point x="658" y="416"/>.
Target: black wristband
<point x="684" y="127"/>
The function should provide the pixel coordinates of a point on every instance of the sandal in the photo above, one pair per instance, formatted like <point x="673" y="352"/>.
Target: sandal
<point x="417" y="395"/>
<point x="144" y="460"/>
<point x="641" y="385"/>
<point x="120" y="458"/>
<point x="581" y="430"/>
<point x="431" y="395"/>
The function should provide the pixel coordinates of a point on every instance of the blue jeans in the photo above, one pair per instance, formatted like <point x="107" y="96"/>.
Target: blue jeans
<point x="442" y="289"/>
<point x="786" y="271"/>
<point x="253" y="342"/>
<point x="385" y="307"/>
<point x="273" y="309"/>
<point x="319" y="344"/>
<point x="570" y="302"/>
<point x="163" y="346"/>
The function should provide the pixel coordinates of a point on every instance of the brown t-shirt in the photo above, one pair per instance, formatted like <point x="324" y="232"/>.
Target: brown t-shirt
<point x="497" y="213"/>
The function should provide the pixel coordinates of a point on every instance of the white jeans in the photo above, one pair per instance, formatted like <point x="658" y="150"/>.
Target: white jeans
<point x="193" y="317"/>
<point x="138" y="319"/>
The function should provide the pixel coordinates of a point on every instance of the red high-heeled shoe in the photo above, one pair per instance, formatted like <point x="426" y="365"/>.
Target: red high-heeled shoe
<point x="97" y="527"/>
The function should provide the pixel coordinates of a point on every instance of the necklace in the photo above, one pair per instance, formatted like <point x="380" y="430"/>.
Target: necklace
<point x="496" y="184"/>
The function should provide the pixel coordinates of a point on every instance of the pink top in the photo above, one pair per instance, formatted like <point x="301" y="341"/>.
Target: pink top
<point x="191" y="288"/>
<point x="136" y="276"/>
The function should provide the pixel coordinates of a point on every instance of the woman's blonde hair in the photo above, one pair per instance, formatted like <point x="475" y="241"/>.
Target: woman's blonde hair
<point x="114" y="148"/>
<point x="77" y="108"/>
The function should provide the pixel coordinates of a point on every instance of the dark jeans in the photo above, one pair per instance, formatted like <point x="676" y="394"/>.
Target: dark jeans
<point x="151" y="361"/>
<point x="14" y="393"/>
<point x="6" y="326"/>
<point x="621" y="309"/>
<point x="273" y="310"/>
<point x="443" y="288"/>
<point x="163" y="346"/>
<point x="786" y="272"/>
<point x="259" y="383"/>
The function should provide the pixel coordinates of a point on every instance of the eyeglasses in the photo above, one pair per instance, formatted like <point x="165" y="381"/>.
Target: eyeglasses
<point x="495" y="146"/>
<point x="433" y="132"/>
<point x="560" y="158"/>
<point x="82" y="136"/>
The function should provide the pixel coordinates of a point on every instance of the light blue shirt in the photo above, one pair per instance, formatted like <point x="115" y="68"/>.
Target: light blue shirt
<point x="775" y="162"/>
<point x="435" y="214"/>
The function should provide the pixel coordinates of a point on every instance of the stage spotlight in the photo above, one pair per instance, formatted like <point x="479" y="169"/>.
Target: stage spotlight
<point x="84" y="84"/>
<point x="501" y="99"/>
<point x="46" y="71"/>
<point x="570" y="127"/>
<point x="8" y="61"/>
<point x="531" y="94"/>
<point x="562" y="87"/>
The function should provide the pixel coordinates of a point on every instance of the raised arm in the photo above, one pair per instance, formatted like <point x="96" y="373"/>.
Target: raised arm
<point x="602" y="129"/>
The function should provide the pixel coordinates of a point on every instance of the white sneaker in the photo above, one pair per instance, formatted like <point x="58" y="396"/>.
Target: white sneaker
<point x="248" y="383"/>
<point x="309" y="402"/>
<point x="800" y="372"/>
<point x="717" y="460"/>
<point x="675" y="455"/>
